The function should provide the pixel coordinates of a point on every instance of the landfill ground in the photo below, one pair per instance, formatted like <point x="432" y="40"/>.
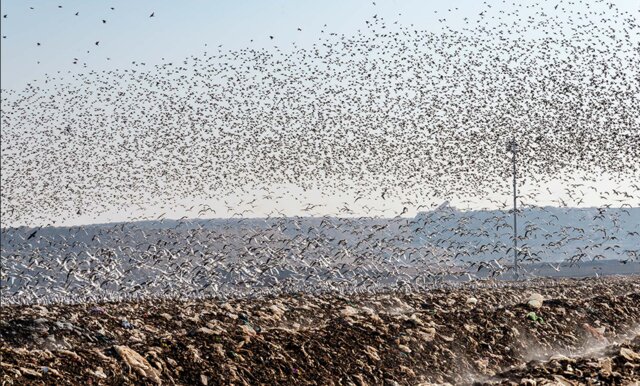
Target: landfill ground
<point x="542" y="332"/>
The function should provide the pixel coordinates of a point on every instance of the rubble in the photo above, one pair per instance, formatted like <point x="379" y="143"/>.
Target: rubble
<point x="535" y="301"/>
<point x="138" y="363"/>
<point x="584" y="331"/>
<point x="616" y="364"/>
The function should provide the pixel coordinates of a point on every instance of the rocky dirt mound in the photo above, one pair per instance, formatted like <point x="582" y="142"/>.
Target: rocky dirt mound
<point x="467" y="334"/>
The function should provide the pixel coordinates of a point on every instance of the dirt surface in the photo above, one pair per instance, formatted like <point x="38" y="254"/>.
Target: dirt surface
<point x="561" y="332"/>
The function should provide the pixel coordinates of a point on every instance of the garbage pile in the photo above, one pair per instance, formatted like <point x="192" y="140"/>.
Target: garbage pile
<point x="616" y="364"/>
<point x="483" y="333"/>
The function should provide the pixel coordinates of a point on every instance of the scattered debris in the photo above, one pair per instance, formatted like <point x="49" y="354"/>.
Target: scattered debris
<point x="138" y="363"/>
<point x="535" y="318"/>
<point x="535" y="301"/>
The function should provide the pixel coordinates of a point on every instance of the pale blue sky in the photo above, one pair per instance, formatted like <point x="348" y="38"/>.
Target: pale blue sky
<point x="182" y="28"/>
<point x="178" y="29"/>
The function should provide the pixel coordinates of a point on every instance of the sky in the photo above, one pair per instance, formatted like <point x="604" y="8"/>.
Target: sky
<point x="182" y="28"/>
<point x="179" y="29"/>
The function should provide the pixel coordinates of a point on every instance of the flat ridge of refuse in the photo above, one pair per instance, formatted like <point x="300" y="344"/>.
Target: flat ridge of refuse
<point x="462" y="335"/>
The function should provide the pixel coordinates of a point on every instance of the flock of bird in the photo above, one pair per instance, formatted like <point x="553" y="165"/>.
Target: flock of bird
<point x="390" y="114"/>
<point x="249" y="257"/>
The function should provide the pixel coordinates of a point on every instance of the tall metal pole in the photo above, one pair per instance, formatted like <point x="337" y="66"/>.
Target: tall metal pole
<point x="515" y="221"/>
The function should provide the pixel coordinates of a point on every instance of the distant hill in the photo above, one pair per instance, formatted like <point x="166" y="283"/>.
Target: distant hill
<point x="544" y="234"/>
<point x="554" y="234"/>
